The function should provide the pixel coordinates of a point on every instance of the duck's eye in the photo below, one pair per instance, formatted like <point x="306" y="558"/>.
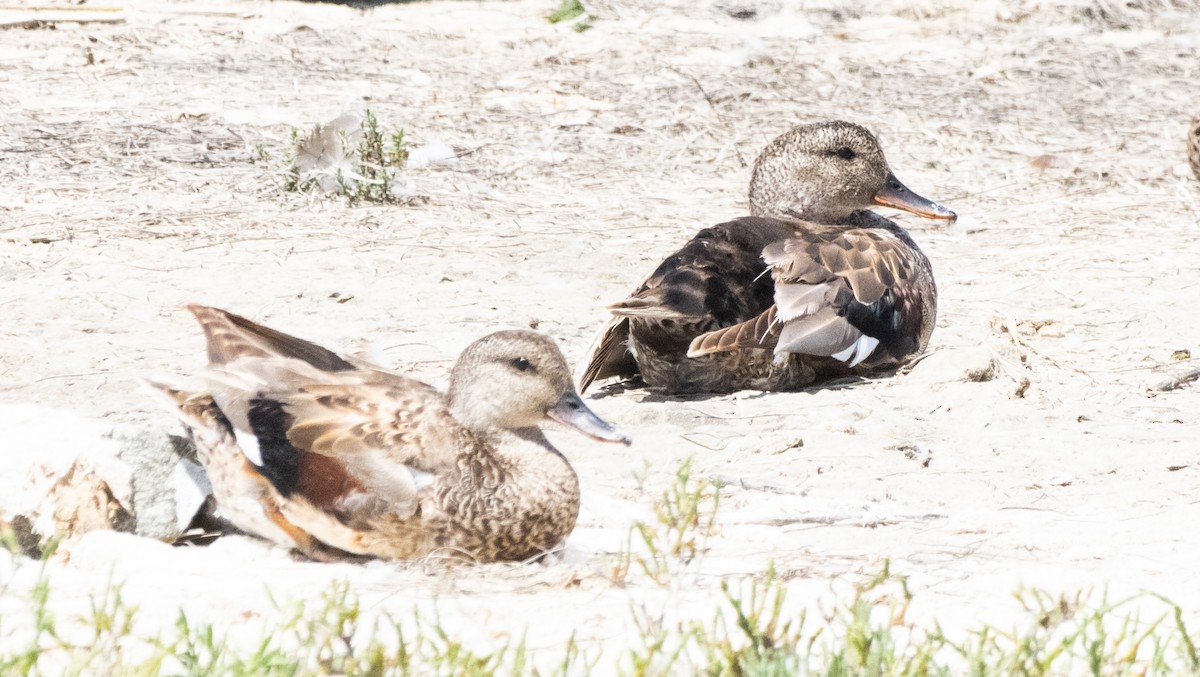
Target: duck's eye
<point x="521" y="364"/>
<point x="845" y="152"/>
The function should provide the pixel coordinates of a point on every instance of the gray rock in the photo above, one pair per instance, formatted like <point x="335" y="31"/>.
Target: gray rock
<point x="66" y="475"/>
<point x="154" y="459"/>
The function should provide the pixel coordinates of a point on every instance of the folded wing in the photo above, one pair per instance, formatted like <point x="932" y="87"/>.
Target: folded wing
<point x="715" y="280"/>
<point x="352" y="438"/>
<point x="839" y="293"/>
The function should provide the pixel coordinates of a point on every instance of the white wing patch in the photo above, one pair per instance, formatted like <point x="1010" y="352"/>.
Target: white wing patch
<point x="192" y="487"/>
<point x="794" y="301"/>
<point x="857" y="352"/>
<point x="248" y="443"/>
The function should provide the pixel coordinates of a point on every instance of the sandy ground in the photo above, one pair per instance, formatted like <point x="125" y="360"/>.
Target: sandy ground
<point x="131" y="183"/>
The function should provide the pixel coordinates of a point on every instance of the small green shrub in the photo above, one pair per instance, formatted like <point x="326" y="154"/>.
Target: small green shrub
<point x="352" y="156"/>
<point x="574" y="13"/>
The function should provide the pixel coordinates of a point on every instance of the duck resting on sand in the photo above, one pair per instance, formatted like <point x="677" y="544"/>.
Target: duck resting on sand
<point x="811" y="286"/>
<point x="339" y="459"/>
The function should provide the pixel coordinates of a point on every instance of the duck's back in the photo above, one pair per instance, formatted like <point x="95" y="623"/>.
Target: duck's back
<point x="718" y="273"/>
<point x="372" y="433"/>
<point x="713" y="281"/>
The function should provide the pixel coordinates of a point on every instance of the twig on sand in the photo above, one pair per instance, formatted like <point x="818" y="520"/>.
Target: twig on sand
<point x="1008" y="327"/>
<point x="32" y="24"/>
<point x="1177" y="380"/>
<point x="855" y="520"/>
<point x="742" y="483"/>
<point x="53" y="14"/>
<point x="712" y="105"/>
<point x="58" y="8"/>
<point x="86" y="374"/>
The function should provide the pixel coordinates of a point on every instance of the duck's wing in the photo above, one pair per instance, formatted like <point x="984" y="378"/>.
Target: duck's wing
<point x="357" y="443"/>
<point x="839" y="293"/>
<point x="715" y="280"/>
<point x="353" y="438"/>
<point x="245" y="496"/>
<point x="712" y="277"/>
<point x="229" y="337"/>
<point x="610" y="356"/>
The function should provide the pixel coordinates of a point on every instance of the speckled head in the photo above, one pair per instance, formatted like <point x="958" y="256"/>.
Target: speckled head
<point x="824" y="171"/>
<point x="517" y="379"/>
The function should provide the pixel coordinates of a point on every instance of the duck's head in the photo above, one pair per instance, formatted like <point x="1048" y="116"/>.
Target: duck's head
<point x="517" y="379"/>
<point x="824" y="171"/>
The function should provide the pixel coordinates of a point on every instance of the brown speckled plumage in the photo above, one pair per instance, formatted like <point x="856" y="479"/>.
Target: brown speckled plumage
<point x="337" y="458"/>
<point x="1193" y="145"/>
<point x="848" y="291"/>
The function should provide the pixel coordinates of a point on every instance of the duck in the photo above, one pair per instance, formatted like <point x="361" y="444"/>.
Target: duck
<point x="339" y="459"/>
<point x="812" y="286"/>
<point x="1193" y="145"/>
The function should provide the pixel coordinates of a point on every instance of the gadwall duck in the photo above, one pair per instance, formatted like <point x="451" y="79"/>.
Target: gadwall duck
<point x="339" y="459"/>
<point x="848" y="291"/>
<point x="1193" y="145"/>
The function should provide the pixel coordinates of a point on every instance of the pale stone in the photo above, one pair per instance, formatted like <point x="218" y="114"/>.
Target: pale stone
<point x="67" y="475"/>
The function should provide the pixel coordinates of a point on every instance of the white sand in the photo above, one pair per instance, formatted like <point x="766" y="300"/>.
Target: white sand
<point x="130" y="186"/>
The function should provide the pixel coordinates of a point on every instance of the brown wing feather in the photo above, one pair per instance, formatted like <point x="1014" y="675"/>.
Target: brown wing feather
<point x="651" y="303"/>
<point x="760" y="332"/>
<point x="835" y="283"/>
<point x="380" y="436"/>
<point x="610" y="356"/>
<point x="872" y="267"/>
<point x="229" y="336"/>
<point x="715" y="280"/>
<point x="871" y="262"/>
<point x="332" y="419"/>
<point x="303" y="402"/>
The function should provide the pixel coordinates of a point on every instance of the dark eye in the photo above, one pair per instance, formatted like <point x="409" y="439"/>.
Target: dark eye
<point x="845" y="152"/>
<point x="521" y="364"/>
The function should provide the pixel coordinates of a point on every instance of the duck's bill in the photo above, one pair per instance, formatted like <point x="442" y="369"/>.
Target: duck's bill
<point x="897" y="196"/>
<point x="573" y="413"/>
